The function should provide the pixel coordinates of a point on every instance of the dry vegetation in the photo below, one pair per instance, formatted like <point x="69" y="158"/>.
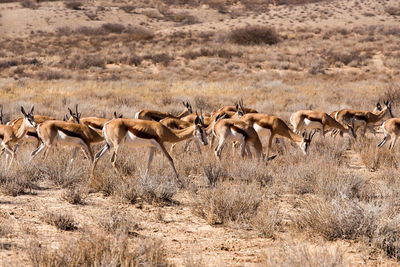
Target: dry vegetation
<point x="337" y="206"/>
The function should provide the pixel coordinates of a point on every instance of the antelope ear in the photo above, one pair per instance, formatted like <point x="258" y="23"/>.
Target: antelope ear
<point x="304" y="134"/>
<point x="70" y="112"/>
<point x="23" y="110"/>
<point x="31" y="112"/>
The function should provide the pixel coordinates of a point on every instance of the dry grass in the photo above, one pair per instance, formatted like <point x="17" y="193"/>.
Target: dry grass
<point x="254" y="35"/>
<point x="62" y="221"/>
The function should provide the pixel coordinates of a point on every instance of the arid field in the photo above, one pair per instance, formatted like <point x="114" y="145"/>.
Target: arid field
<point x="339" y="205"/>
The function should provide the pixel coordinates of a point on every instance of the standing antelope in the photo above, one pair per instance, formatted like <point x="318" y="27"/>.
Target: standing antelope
<point x="154" y="115"/>
<point x="391" y="131"/>
<point x="13" y="134"/>
<point x="272" y="125"/>
<point x="67" y="134"/>
<point x="226" y="130"/>
<point x="139" y="133"/>
<point x="311" y="119"/>
<point x="364" y="119"/>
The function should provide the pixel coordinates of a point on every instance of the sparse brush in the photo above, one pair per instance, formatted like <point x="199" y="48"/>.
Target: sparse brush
<point x="19" y="180"/>
<point x="387" y="237"/>
<point x="75" y="195"/>
<point x="98" y="249"/>
<point x="29" y="4"/>
<point x="338" y="218"/>
<point x="254" y="35"/>
<point x="60" y="220"/>
<point x="75" y="5"/>
<point x="117" y="223"/>
<point x="305" y="254"/>
<point x="268" y="220"/>
<point x="228" y="202"/>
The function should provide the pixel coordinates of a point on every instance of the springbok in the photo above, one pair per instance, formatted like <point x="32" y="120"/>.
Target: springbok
<point x="154" y="115"/>
<point x="67" y="134"/>
<point x="139" y="133"/>
<point x="272" y="125"/>
<point x="364" y="119"/>
<point x="226" y="130"/>
<point x="311" y="119"/>
<point x="391" y="131"/>
<point x="13" y="134"/>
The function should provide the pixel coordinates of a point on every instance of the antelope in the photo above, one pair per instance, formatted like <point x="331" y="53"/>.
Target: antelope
<point x="13" y="134"/>
<point x="272" y="125"/>
<point x="95" y="123"/>
<point x="234" y="108"/>
<point x="310" y="119"/>
<point x="67" y="133"/>
<point x="236" y="130"/>
<point x="391" y="131"/>
<point x="154" y="115"/>
<point x="333" y="114"/>
<point x="364" y="119"/>
<point x="135" y="132"/>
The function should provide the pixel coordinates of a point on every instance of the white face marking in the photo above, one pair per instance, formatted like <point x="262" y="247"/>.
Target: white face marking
<point x="137" y="115"/>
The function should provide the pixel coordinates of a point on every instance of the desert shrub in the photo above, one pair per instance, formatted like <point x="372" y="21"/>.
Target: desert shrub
<point x="267" y="221"/>
<point x="78" y="61"/>
<point x="392" y="30"/>
<point x="317" y="66"/>
<point x="139" y="33"/>
<point x="19" y="180"/>
<point x="337" y="218"/>
<point x="393" y="10"/>
<point x="61" y="172"/>
<point x="134" y="59"/>
<point x="387" y="237"/>
<point x="98" y="249"/>
<point x="254" y="35"/>
<point x="304" y="254"/>
<point x="228" y="202"/>
<point x="219" y="5"/>
<point x="127" y="8"/>
<point x="8" y="63"/>
<point x="117" y="223"/>
<point x="204" y="52"/>
<point x="75" y="5"/>
<point x="75" y="195"/>
<point x="113" y="27"/>
<point x="343" y="56"/>
<point x="162" y="58"/>
<point x="213" y="173"/>
<point x="51" y="75"/>
<point x="62" y="221"/>
<point x="29" y="4"/>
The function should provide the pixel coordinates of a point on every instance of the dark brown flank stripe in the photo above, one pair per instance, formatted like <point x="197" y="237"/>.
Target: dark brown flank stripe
<point x="157" y="117"/>
<point x="360" y="117"/>
<point x="1" y="136"/>
<point x="33" y="134"/>
<point x="141" y="134"/>
<point x="237" y="129"/>
<point x="314" y="119"/>
<point x="69" y="133"/>
<point x="264" y="125"/>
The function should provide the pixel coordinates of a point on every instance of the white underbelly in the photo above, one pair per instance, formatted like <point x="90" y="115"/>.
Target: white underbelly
<point x="66" y="140"/>
<point x="261" y="131"/>
<point x="309" y="124"/>
<point x="134" y="141"/>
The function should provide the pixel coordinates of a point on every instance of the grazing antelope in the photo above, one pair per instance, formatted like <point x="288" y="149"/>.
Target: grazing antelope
<point x="13" y="134"/>
<point x="234" y="108"/>
<point x="272" y="125"/>
<point x="391" y="131"/>
<point x="226" y="130"/>
<point x="364" y="119"/>
<point x="333" y="114"/>
<point x="154" y="115"/>
<point x="67" y="134"/>
<point x="311" y="119"/>
<point x="95" y="123"/>
<point x="134" y="132"/>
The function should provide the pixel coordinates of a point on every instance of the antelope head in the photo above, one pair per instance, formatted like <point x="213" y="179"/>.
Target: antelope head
<point x="305" y="142"/>
<point x="28" y="117"/>
<point x="75" y="115"/>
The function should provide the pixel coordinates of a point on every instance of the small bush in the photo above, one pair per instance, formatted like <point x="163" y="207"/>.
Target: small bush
<point x="267" y="221"/>
<point x="254" y="35"/>
<point x="75" y="195"/>
<point x="51" y="75"/>
<point x="387" y="237"/>
<point x="113" y="27"/>
<point x="75" y="5"/>
<point x="20" y="180"/>
<point x="163" y="58"/>
<point x="227" y="202"/>
<point x="60" y="220"/>
<point x="29" y="4"/>
<point x="393" y="10"/>
<point x="127" y="8"/>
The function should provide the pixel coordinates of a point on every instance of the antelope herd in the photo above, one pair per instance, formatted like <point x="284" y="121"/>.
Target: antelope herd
<point x="153" y="129"/>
